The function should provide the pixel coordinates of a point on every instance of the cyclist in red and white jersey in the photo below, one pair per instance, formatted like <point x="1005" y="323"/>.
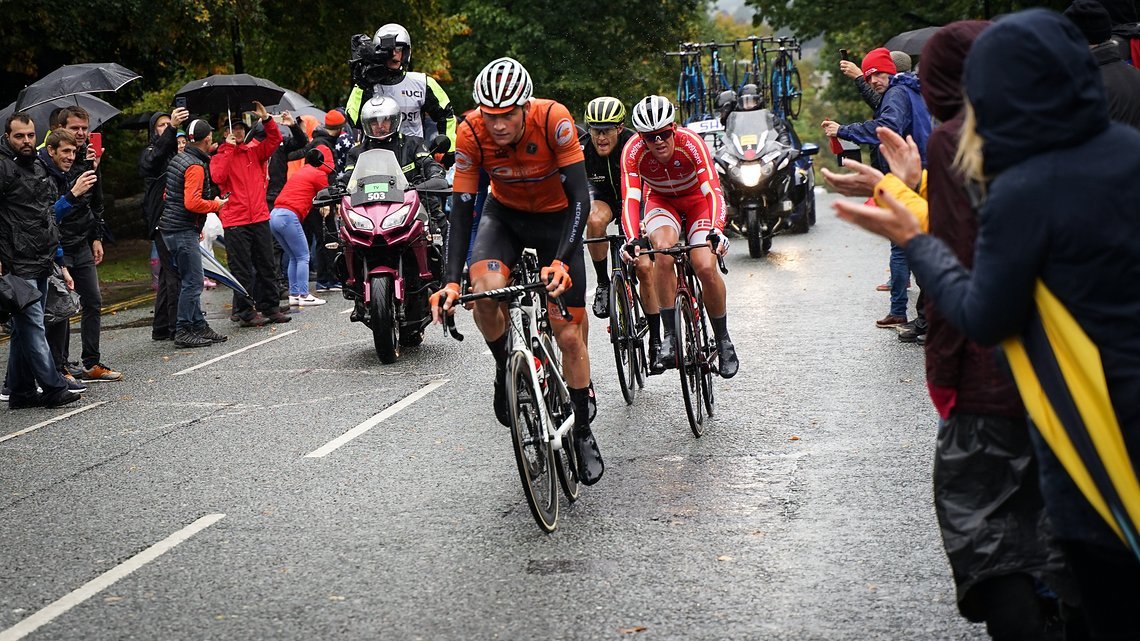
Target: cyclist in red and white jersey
<point x="670" y="168"/>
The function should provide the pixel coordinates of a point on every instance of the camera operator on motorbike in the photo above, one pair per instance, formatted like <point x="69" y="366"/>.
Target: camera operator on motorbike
<point x="381" y="67"/>
<point x="380" y="121"/>
<point x="673" y="165"/>
<point x="538" y="199"/>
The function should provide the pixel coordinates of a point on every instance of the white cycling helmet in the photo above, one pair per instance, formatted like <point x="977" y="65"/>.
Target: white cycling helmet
<point x="403" y="39"/>
<point x="652" y="113"/>
<point x="381" y="118"/>
<point x="501" y="86"/>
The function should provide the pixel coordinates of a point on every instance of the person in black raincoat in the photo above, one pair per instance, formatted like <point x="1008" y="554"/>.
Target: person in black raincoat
<point x="997" y="537"/>
<point x="163" y="130"/>
<point x="1059" y="240"/>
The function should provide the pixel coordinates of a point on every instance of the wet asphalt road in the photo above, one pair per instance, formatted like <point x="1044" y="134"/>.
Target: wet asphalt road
<point x="803" y="513"/>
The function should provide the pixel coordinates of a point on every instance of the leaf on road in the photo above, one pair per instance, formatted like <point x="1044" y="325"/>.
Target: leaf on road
<point x="794" y="438"/>
<point x="633" y="630"/>
<point x="724" y="557"/>
<point x="872" y="587"/>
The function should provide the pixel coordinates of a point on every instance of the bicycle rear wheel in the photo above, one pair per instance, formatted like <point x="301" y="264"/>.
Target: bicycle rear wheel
<point x="559" y="406"/>
<point x="795" y="93"/>
<point x="688" y="363"/>
<point x="533" y="452"/>
<point x="621" y="336"/>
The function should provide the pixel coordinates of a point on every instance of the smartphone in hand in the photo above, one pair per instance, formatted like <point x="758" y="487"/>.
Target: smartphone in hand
<point x="95" y="140"/>
<point x="180" y="102"/>
<point x="844" y="55"/>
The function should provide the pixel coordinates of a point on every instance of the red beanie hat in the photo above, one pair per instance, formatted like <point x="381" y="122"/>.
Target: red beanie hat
<point x="878" y="61"/>
<point x="334" y="118"/>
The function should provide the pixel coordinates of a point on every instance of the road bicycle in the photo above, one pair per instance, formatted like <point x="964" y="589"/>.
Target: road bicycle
<point x="696" y="351"/>
<point x="785" y="79"/>
<point x="691" y="96"/>
<point x="756" y="66"/>
<point x="542" y="416"/>
<point x="718" y="79"/>
<point x="628" y="325"/>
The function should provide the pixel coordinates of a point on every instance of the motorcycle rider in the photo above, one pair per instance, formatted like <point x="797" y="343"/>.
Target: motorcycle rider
<point x="751" y="100"/>
<point x="381" y="66"/>
<point x="670" y="168"/>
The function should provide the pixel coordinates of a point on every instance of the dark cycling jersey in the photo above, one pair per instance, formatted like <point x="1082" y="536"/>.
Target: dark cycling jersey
<point x="604" y="173"/>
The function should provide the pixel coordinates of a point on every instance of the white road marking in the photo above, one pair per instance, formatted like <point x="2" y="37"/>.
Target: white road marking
<point x="105" y="580"/>
<point x="52" y="420"/>
<point x="486" y="351"/>
<point x="346" y="311"/>
<point x="236" y="352"/>
<point x="384" y="415"/>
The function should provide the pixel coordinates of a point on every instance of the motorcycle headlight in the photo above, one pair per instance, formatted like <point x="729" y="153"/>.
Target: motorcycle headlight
<point x="396" y="218"/>
<point x="751" y="172"/>
<point x="359" y="222"/>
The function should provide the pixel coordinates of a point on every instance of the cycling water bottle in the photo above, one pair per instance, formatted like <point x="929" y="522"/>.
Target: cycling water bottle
<point x="541" y="371"/>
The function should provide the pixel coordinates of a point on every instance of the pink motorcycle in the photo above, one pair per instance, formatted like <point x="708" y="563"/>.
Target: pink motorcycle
<point x="389" y="260"/>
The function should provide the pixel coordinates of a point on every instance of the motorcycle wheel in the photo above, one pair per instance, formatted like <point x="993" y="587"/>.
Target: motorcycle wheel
<point x="385" y="331"/>
<point x="757" y="246"/>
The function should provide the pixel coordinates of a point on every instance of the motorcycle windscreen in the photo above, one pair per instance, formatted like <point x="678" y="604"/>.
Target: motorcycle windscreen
<point x="750" y="133"/>
<point x="377" y="162"/>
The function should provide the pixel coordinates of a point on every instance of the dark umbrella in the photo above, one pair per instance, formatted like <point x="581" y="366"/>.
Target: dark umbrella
<point x="291" y="101"/>
<point x="214" y="269"/>
<point x="229" y="92"/>
<point x="911" y="42"/>
<point x="68" y="80"/>
<point x="100" y="111"/>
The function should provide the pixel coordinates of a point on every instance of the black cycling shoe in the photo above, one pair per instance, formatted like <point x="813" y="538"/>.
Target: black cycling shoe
<point x="502" y="412"/>
<point x="590" y="464"/>
<point x="654" y="348"/>
<point x="729" y="363"/>
<point x="666" y="356"/>
<point x="591" y="401"/>
<point x="602" y="301"/>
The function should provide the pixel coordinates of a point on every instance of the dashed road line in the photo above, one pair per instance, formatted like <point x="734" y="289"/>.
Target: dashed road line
<point x="384" y="415"/>
<point x="236" y="352"/>
<point x="52" y="420"/>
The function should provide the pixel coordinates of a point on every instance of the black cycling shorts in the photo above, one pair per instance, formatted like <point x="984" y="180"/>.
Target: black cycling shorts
<point x="505" y="232"/>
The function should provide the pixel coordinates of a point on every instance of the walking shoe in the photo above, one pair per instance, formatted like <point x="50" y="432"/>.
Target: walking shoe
<point x="73" y="384"/>
<point x="75" y="368"/>
<point x="666" y="356"/>
<point x="253" y="320"/>
<point x="24" y="402"/>
<point x="602" y="301"/>
<point x="100" y="372"/>
<point x="921" y="340"/>
<point x="187" y="338"/>
<point x="58" y="399"/>
<point x="161" y="336"/>
<point x="209" y="334"/>
<point x="590" y="464"/>
<point x="910" y="332"/>
<point x="885" y="287"/>
<point x="235" y="317"/>
<point x="890" y="321"/>
<point x="308" y="300"/>
<point x="5" y="394"/>
<point x="502" y="412"/>
<point x="277" y="317"/>
<point x="328" y="287"/>
<point x="729" y="363"/>
<point x="295" y="301"/>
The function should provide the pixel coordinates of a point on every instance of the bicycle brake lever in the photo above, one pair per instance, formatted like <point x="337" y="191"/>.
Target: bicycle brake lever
<point x="562" y="309"/>
<point x="449" y="328"/>
<point x="720" y="262"/>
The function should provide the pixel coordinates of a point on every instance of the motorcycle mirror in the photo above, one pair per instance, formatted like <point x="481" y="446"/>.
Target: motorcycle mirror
<point x="809" y="149"/>
<point x="440" y="144"/>
<point x="314" y="157"/>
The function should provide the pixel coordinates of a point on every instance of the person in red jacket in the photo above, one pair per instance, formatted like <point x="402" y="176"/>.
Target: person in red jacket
<point x="241" y="169"/>
<point x="288" y="216"/>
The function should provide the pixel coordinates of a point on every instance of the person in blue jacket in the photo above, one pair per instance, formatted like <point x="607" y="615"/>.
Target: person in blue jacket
<point x="1057" y="266"/>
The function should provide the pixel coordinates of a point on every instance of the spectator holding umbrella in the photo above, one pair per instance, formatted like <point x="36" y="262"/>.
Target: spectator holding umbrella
<point x="240" y="168"/>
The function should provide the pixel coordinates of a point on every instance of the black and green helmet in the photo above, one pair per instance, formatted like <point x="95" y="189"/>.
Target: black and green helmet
<point x="605" y="112"/>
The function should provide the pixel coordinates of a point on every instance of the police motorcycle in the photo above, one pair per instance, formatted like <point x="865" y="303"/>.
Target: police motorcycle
<point x="766" y="175"/>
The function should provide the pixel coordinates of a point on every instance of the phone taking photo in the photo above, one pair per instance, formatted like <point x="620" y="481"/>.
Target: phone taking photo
<point x="95" y="140"/>
<point x="180" y="102"/>
<point x="844" y="55"/>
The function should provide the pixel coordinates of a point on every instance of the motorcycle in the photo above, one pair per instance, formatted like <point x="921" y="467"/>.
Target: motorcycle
<point x="389" y="260"/>
<point x="768" y="185"/>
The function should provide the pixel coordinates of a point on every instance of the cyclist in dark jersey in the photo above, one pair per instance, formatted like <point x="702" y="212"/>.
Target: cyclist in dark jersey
<point x="602" y="145"/>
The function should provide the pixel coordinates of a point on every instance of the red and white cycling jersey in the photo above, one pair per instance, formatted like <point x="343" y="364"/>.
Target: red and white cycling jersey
<point x="687" y="176"/>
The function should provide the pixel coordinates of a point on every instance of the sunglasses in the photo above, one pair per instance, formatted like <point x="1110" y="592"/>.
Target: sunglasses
<point x="602" y="131"/>
<point x="657" y="136"/>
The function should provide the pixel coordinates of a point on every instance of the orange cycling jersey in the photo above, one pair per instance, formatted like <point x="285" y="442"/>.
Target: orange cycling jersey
<point x="688" y="173"/>
<point x="524" y="176"/>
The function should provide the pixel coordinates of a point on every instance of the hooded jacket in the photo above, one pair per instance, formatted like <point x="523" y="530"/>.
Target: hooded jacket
<point x="982" y="384"/>
<point x="152" y="168"/>
<point x="1121" y="83"/>
<point x="242" y="171"/>
<point x="279" y="161"/>
<point x="29" y="236"/>
<point x="1062" y="208"/>
<point x="901" y="110"/>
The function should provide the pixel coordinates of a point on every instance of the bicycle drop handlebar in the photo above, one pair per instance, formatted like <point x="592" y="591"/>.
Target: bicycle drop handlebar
<point x="677" y="250"/>
<point x="501" y="294"/>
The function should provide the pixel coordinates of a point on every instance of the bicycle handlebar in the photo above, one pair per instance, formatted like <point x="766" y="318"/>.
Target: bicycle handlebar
<point x="677" y="250"/>
<point x="500" y="294"/>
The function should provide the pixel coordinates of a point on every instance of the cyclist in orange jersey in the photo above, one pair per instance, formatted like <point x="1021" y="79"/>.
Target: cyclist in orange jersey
<point x="539" y="198"/>
<point x="671" y="169"/>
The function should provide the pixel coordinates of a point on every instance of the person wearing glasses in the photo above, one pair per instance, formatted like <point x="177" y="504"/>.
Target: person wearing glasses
<point x="539" y="198"/>
<point x="669" y="168"/>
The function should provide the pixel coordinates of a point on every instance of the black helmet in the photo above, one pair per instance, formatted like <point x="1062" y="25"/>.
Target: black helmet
<point x="749" y="97"/>
<point x="725" y="100"/>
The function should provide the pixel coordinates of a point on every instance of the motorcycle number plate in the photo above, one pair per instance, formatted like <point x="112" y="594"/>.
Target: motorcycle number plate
<point x="377" y="189"/>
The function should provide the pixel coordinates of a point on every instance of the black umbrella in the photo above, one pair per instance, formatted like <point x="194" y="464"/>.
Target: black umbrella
<point x="291" y="101"/>
<point x="68" y="80"/>
<point x="100" y="111"/>
<point x="911" y="42"/>
<point x="229" y="92"/>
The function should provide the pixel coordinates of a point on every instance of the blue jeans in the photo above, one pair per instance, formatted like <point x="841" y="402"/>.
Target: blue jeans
<point x="900" y="277"/>
<point x="29" y="358"/>
<point x="287" y="229"/>
<point x="183" y="246"/>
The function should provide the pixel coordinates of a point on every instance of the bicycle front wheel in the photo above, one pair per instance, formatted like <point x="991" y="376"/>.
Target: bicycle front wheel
<point x="688" y="363"/>
<point x="707" y="350"/>
<point x="795" y="93"/>
<point x="621" y="336"/>
<point x="533" y="452"/>
<point x="559" y="406"/>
